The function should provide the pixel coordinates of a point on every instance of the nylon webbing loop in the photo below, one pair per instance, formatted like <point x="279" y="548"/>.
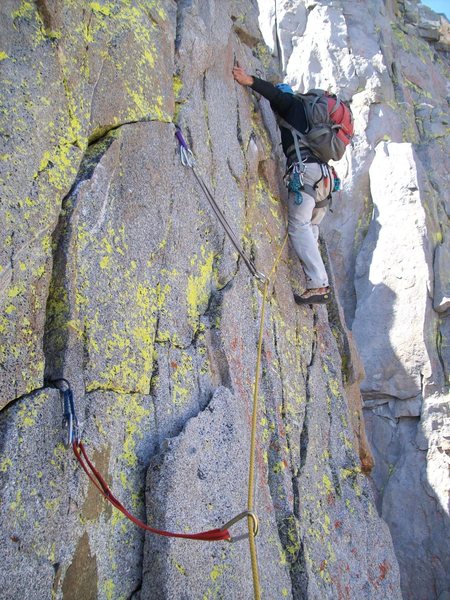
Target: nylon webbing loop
<point x="70" y="423"/>
<point x="188" y="160"/>
<point x="213" y="535"/>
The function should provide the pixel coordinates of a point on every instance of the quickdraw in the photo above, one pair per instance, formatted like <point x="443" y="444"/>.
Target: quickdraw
<point x="188" y="160"/>
<point x="72" y="439"/>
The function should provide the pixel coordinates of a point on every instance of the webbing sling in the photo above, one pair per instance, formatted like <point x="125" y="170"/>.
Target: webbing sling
<point x="213" y="535"/>
<point x="70" y="424"/>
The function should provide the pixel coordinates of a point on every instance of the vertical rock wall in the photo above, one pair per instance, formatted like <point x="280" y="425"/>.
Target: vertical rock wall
<point x="115" y="274"/>
<point x="388" y="238"/>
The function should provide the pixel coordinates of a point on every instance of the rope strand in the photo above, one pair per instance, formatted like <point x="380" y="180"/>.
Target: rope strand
<point x="251" y="470"/>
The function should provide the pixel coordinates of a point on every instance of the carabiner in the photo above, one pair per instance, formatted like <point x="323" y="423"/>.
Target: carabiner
<point x="261" y="277"/>
<point x="242" y="515"/>
<point x="69" y="420"/>
<point x="186" y="156"/>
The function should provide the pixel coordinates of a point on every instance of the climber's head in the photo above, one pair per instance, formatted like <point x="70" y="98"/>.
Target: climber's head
<point x="284" y="87"/>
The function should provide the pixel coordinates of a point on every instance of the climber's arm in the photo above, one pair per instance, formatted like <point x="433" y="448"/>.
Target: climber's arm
<point x="280" y="101"/>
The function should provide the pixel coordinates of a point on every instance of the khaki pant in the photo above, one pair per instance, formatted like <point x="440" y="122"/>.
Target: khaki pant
<point x="304" y="220"/>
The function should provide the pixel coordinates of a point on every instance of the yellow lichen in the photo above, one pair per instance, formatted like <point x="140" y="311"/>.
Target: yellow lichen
<point x="198" y="285"/>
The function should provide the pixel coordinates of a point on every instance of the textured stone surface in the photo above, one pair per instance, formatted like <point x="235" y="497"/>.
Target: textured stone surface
<point x="388" y="242"/>
<point x="391" y="342"/>
<point x="115" y="274"/>
<point x="68" y="76"/>
<point x="57" y="532"/>
<point x="198" y="482"/>
<point x="412" y="455"/>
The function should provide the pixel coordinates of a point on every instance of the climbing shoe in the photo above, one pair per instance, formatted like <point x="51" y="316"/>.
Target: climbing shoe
<point x="314" y="296"/>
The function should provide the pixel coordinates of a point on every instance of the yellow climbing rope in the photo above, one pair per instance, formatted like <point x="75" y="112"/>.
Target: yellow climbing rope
<point x="251" y="471"/>
<point x="188" y="160"/>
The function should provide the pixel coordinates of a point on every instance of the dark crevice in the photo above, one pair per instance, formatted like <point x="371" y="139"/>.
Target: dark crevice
<point x="19" y="399"/>
<point x="103" y="132"/>
<point x="44" y="13"/>
<point x="383" y="398"/>
<point x="136" y="593"/>
<point x="440" y="348"/>
<point x="334" y="474"/>
<point x="182" y="6"/>
<point x="288" y="523"/>
<point x="110" y="390"/>
<point x="246" y="38"/>
<point x="238" y="125"/>
<point x="338" y="327"/>
<point x="214" y="314"/>
<point x="304" y="436"/>
<point x="277" y="39"/>
<point x="59" y="304"/>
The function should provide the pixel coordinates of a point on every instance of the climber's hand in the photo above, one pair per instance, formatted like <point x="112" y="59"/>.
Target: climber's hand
<point x="241" y="76"/>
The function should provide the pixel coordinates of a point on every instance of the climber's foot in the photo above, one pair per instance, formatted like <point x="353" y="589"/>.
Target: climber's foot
<point x="314" y="296"/>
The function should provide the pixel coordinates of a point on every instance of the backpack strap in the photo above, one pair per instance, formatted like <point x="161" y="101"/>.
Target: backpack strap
<point x="323" y="203"/>
<point x="295" y="134"/>
<point x="298" y="136"/>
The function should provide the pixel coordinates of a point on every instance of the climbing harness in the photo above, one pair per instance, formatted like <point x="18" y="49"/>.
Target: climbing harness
<point x="294" y="179"/>
<point x="188" y="160"/>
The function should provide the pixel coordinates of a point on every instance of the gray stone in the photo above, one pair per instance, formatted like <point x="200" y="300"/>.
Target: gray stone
<point x="199" y="482"/>
<point x="441" y="297"/>
<point x="429" y="23"/>
<point x="398" y="86"/>
<point x="391" y="367"/>
<point x="116" y="275"/>
<point x="52" y="519"/>
<point x="67" y="77"/>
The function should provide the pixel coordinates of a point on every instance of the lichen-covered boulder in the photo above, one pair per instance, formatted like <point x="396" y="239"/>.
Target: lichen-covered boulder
<point x="388" y="239"/>
<point x="116" y="276"/>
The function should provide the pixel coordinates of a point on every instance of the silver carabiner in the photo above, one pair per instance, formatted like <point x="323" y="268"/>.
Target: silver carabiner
<point x="261" y="277"/>
<point x="186" y="156"/>
<point x="243" y="515"/>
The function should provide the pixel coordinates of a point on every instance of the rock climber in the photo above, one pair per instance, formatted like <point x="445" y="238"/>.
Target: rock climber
<point x="304" y="211"/>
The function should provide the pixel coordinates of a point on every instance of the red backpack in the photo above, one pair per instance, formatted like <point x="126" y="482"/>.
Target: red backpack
<point x="330" y="124"/>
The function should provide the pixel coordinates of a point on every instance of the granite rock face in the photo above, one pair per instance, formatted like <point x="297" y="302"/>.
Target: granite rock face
<point x="388" y="239"/>
<point x="115" y="274"/>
